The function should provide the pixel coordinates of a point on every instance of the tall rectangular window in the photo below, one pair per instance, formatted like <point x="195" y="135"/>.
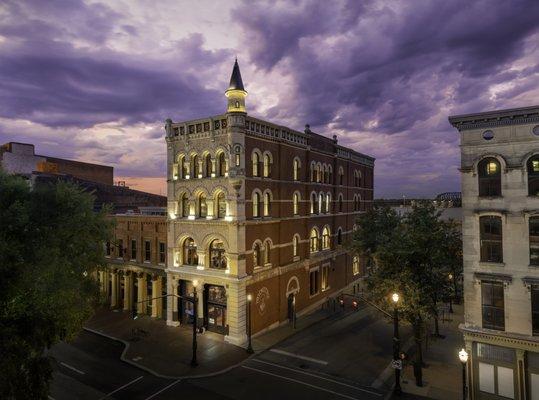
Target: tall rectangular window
<point x="355" y="265"/>
<point x="162" y="252"/>
<point x="325" y="277"/>
<point x="147" y="251"/>
<point x="491" y="239"/>
<point x="535" y="309"/>
<point x="534" y="241"/>
<point x="120" y="248"/>
<point x="133" y="249"/>
<point x="493" y="305"/>
<point x="313" y="282"/>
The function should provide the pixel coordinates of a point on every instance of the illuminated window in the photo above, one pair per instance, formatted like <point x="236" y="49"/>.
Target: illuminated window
<point x="185" y="205"/>
<point x="237" y="156"/>
<point x="256" y="164"/>
<point x="326" y="238"/>
<point x="267" y="252"/>
<point x="355" y="265"/>
<point x="190" y="256"/>
<point x="296" y="203"/>
<point x="222" y="164"/>
<point x="256" y="204"/>
<point x="325" y="277"/>
<point x="202" y="206"/>
<point x="267" y="202"/>
<point x="267" y="165"/>
<point x="489" y="177"/>
<point x="296" y="170"/>
<point x="533" y="176"/>
<point x="221" y="205"/>
<point x="295" y="246"/>
<point x="328" y="202"/>
<point x="217" y="255"/>
<point x="195" y="166"/>
<point x="313" y="240"/>
<point x="257" y="259"/>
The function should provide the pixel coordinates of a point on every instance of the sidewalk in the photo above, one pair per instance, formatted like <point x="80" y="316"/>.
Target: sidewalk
<point x="442" y="376"/>
<point x="165" y="351"/>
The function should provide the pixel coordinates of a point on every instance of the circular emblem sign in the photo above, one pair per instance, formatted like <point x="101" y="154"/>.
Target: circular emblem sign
<point x="261" y="298"/>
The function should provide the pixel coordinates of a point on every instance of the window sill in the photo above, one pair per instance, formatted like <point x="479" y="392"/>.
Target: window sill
<point x="491" y="264"/>
<point x="490" y="197"/>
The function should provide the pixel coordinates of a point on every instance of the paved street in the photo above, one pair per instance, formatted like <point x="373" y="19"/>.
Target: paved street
<point x="341" y="357"/>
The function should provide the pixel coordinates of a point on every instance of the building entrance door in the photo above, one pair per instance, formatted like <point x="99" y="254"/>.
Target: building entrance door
<point x="215" y="308"/>
<point x="186" y="307"/>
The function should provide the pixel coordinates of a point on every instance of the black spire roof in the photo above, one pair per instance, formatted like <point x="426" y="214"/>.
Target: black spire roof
<point x="235" y="80"/>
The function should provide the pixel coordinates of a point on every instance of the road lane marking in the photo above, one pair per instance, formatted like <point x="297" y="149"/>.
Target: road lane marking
<point x="317" y="376"/>
<point x="122" y="387"/>
<point x="286" y="353"/>
<point x="162" y="390"/>
<point x="300" y="382"/>
<point x="72" y="368"/>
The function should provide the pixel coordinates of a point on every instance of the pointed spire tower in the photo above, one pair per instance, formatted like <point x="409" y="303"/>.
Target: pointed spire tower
<point x="236" y="92"/>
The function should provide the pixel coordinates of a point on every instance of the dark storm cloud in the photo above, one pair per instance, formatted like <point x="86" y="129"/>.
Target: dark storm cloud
<point x="48" y="80"/>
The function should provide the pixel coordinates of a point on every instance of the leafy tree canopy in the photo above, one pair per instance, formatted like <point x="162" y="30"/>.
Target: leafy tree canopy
<point x="51" y="243"/>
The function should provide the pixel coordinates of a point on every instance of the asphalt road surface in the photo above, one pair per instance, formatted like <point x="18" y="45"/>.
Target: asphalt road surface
<point x="342" y="357"/>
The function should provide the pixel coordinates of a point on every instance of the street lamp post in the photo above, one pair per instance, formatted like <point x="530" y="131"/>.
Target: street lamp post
<point x="396" y="344"/>
<point x="451" y="295"/>
<point x="463" y="356"/>
<point x="194" y="362"/>
<point x="249" y="345"/>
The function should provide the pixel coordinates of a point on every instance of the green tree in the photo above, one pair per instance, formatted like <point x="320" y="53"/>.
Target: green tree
<point x="411" y="256"/>
<point x="51" y="243"/>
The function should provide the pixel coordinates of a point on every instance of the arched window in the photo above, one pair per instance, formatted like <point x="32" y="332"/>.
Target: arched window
<point x="185" y="205"/>
<point x="182" y="167"/>
<point x="339" y="236"/>
<point x="314" y="203"/>
<point x="257" y="255"/>
<point x="330" y="174"/>
<point x="318" y="173"/>
<point x="222" y="164"/>
<point x="355" y="265"/>
<point x="533" y="176"/>
<point x="256" y="204"/>
<point x="267" y="165"/>
<point x="296" y="167"/>
<point x="208" y="166"/>
<point x="340" y="203"/>
<point x="221" y="205"/>
<point x="328" y="203"/>
<point x="341" y="176"/>
<point x="267" y="204"/>
<point x="296" y="203"/>
<point x="195" y="166"/>
<point x="326" y="238"/>
<point x="489" y="172"/>
<point x="312" y="172"/>
<point x="217" y="255"/>
<point x="267" y="252"/>
<point x="295" y="246"/>
<point x="202" y="206"/>
<point x="237" y="156"/>
<point x="313" y="240"/>
<point x="324" y="173"/>
<point x="321" y="205"/>
<point x="256" y="164"/>
<point x="190" y="256"/>
<point x="359" y="178"/>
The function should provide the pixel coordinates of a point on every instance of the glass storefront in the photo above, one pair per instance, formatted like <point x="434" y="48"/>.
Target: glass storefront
<point x="215" y="308"/>
<point x="496" y="371"/>
<point x="185" y="306"/>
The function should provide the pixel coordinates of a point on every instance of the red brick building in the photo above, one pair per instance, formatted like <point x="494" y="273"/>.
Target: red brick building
<point x="259" y="209"/>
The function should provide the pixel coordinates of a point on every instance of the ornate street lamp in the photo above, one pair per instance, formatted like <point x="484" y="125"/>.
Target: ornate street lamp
<point x="194" y="362"/>
<point x="463" y="356"/>
<point x="396" y="344"/>
<point x="249" y="345"/>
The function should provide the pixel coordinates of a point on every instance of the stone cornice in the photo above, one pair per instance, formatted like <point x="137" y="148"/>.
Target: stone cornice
<point x="490" y="119"/>
<point x="500" y="338"/>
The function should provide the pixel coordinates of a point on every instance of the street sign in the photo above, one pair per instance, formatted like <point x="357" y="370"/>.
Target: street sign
<point x="396" y="364"/>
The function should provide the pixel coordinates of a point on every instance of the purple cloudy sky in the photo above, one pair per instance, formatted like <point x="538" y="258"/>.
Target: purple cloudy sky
<point x="94" y="80"/>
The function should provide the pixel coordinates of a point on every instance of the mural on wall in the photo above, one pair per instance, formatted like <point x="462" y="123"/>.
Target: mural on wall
<point x="261" y="298"/>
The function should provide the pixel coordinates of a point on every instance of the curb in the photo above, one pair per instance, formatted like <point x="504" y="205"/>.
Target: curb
<point x="151" y="371"/>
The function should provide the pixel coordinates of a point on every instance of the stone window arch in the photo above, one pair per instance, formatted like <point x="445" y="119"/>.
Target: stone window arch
<point x="314" y="203"/>
<point x="209" y="165"/>
<point x="296" y="168"/>
<point x="295" y="203"/>
<point x="341" y="176"/>
<point x="321" y="202"/>
<point x="185" y="205"/>
<point x="267" y="203"/>
<point x="257" y="254"/>
<point x="328" y="203"/>
<point x="220" y="205"/>
<point x="318" y="172"/>
<point x="267" y="252"/>
<point x="489" y="177"/>
<point x="217" y="254"/>
<point x="195" y="166"/>
<point x="202" y="206"/>
<point x="313" y="240"/>
<point x="255" y="160"/>
<point x="313" y="175"/>
<point x="222" y="165"/>
<point x="190" y="255"/>
<point x="326" y="238"/>
<point x="256" y="204"/>
<point x="330" y="174"/>
<point x="268" y="160"/>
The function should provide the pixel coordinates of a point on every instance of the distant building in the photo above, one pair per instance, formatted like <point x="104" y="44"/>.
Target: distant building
<point x="448" y="203"/>
<point x="500" y="204"/>
<point x="20" y="158"/>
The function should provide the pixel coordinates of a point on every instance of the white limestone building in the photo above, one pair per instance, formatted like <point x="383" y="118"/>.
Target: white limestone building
<point x="500" y="203"/>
